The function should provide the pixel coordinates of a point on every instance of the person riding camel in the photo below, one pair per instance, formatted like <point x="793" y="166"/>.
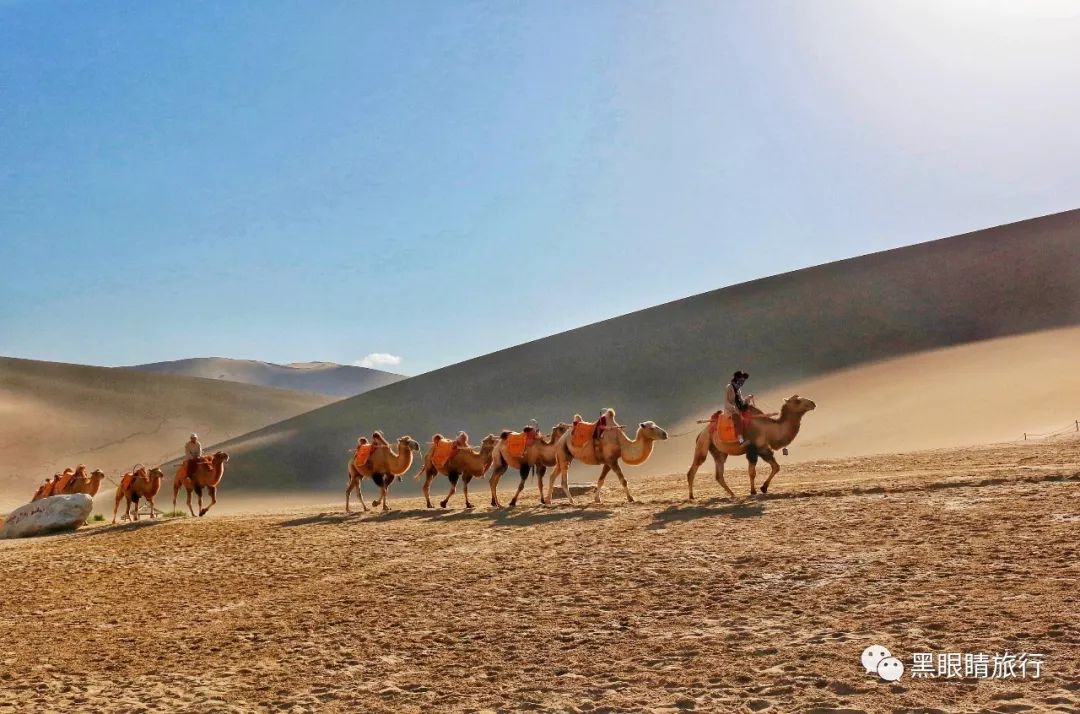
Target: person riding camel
<point x="461" y="442"/>
<point x="605" y="422"/>
<point x="192" y="454"/>
<point x="531" y="431"/>
<point x="735" y="405"/>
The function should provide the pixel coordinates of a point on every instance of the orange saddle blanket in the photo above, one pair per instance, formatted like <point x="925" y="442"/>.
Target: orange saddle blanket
<point x="441" y="451"/>
<point x="582" y="433"/>
<point x="363" y="453"/>
<point x="724" y="426"/>
<point x="516" y="443"/>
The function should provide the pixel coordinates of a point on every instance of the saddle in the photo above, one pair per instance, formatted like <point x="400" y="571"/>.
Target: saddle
<point x="724" y="426"/>
<point x="441" y="451"/>
<point x="583" y="433"/>
<point x="516" y="443"/>
<point x="363" y="453"/>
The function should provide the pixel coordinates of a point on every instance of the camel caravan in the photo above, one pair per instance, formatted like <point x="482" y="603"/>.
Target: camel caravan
<point x="70" y="481"/>
<point x="142" y="485"/>
<point x="741" y="430"/>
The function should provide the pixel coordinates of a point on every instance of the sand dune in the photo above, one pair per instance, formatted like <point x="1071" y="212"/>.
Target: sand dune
<point x="335" y="380"/>
<point x="662" y="606"/>
<point x="56" y="415"/>
<point x="797" y="331"/>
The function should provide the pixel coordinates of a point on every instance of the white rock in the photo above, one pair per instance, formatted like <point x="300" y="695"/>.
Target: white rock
<point x="55" y="513"/>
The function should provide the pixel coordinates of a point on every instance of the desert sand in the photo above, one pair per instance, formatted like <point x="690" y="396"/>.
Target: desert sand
<point x="54" y="416"/>
<point x="664" y="605"/>
<point x="332" y="380"/>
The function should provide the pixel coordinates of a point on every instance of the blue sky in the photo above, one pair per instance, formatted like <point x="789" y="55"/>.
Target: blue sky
<point x="437" y="180"/>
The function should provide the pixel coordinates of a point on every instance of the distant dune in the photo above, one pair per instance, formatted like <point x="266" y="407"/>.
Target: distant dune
<point x="56" y="415"/>
<point x="794" y="332"/>
<point x="335" y="380"/>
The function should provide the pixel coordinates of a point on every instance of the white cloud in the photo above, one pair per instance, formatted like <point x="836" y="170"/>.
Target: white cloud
<point x="378" y="360"/>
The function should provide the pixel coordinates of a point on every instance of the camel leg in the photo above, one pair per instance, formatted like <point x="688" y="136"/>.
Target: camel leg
<point x="540" y="470"/>
<point x="521" y="487"/>
<point x="384" y="484"/>
<point x="720" y="458"/>
<point x="465" y="485"/>
<point x="127" y="511"/>
<point x="494" y="483"/>
<point x="426" y="488"/>
<point x="154" y="515"/>
<point x="622" y="479"/>
<point x="116" y="505"/>
<point x="192" y="510"/>
<point x="551" y="486"/>
<point x="453" y="487"/>
<point x="360" y="492"/>
<point x="699" y="459"/>
<point x="566" y="485"/>
<point x="175" y="491"/>
<point x="752" y="470"/>
<point x="600" y="483"/>
<point x="212" y="491"/>
<point x="770" y="459"/>
<point x="198" y="494"/>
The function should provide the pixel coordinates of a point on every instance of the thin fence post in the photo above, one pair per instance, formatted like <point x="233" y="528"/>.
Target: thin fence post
<point x="1025" y="436"/>
<point x="1078" y="424"/>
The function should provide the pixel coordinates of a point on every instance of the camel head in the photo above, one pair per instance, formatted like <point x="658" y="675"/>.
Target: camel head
<point x="488" y="444"/>
<point x="650" y="430"/>
<point x="97" y="474"/>
<point x="220" y="457"/>
<point x="798" y="405"/>
<point x="407" y="442"/>
<point x="155" y="474"/>
<point x="558" y="430"/>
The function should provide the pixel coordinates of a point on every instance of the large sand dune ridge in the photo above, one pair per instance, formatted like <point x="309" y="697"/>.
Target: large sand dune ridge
<point x="791" y="331"/>
<point x="334" y="380"/>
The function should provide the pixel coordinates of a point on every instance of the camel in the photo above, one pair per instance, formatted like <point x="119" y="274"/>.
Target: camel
<point x="45" y="489"/>
<point x="208" y="474"/>
<point x="614" y="446"/>
<point x="466" y="463"/>
<point x="49" y="488"/>
<point x="67" y="477"/>
<point x="764" y="434"/>
<point x="382" y="467"/>
<point x="133" y="486"/>
<point x="86" y="484"/>
<point x="539" y="456"/>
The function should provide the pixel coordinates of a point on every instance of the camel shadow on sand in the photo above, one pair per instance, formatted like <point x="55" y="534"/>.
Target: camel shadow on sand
<point x="682" y="513"/>
<point x="123" y="527"/>
<point x="501" y="517"/>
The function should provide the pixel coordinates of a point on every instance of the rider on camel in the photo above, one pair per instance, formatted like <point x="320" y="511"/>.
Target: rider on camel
<point x="735" y="405"/>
